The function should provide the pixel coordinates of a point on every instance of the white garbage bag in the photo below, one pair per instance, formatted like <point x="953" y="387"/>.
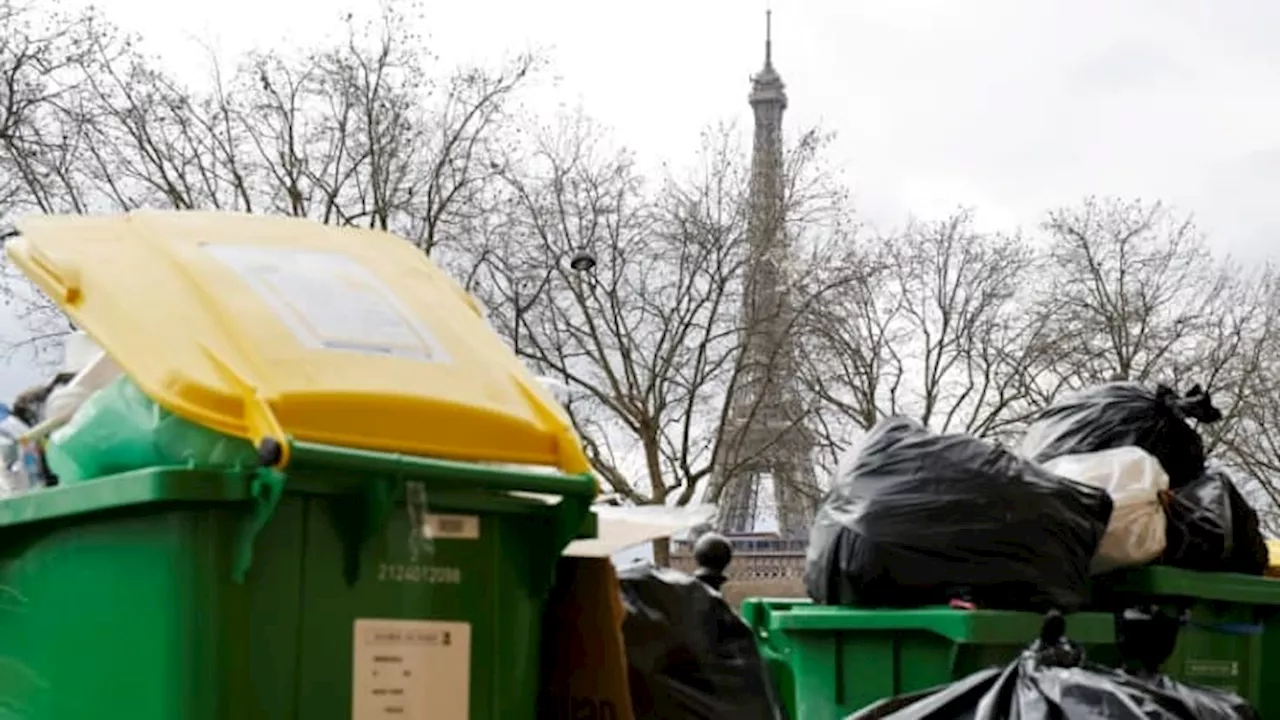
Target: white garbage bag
<point x="1135" y="480"/>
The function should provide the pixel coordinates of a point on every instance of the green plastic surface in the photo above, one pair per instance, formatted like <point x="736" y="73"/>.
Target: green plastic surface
<point x="1233" y="639"/>
<point x="123" y="600"/>
<point x="844" y="659"/>
<point x="1173" y="582"/>
<point x="775" y="649"/>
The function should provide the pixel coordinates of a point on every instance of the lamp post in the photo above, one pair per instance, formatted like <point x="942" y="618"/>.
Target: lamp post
<point x="518" y="315"/>
<point x="581" y="262"/>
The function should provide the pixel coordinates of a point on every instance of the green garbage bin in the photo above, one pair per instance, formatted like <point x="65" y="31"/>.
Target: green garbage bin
<point x="359" y="585"/>
<point x="335" y="584"/>
<point x="844" y="659"/>
<point x="775" y="650"/>
<point x="1232" y="637"/>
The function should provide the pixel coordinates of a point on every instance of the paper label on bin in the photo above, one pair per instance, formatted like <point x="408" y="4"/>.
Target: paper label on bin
<point x="451" y="527"/>
<point x="411" y="670"/>
<point x="330" y="301"/>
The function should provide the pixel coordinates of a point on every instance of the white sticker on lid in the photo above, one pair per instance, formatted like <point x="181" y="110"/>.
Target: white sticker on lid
<point x="330" y="301"/>
<point x="411" y="670"/>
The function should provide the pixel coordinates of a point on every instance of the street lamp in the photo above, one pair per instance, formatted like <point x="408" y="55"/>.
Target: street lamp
<point x="582" y="261"/>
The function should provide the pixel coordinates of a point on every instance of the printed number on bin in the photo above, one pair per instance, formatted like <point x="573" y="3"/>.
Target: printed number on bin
<point x="417" y="573"/>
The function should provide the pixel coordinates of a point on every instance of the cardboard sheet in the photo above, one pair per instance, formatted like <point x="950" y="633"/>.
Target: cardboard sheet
<point x="583" y="649"/>
<point x="622" y="527"/>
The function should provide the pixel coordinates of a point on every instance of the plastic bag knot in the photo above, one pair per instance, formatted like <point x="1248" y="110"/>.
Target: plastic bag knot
<point x="1196" y="404"/>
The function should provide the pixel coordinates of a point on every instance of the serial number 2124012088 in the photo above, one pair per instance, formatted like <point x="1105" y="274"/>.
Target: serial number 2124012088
<point x="417" y="573"/>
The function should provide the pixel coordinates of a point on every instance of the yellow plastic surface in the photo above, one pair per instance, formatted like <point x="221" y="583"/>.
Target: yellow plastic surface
<point x="262" y="326"/>
<point x="1273" y="557"/>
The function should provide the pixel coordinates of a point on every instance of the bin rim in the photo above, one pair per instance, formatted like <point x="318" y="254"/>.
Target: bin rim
<point x="1171" y="582"/>
<point x="262" y="488"/>
<point x="958" y="625"/>
<point x="179" y="483"/>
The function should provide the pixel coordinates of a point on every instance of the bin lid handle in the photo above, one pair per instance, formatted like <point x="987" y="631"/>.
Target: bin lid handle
<point x="63" y="282"/>
<point x="265" y="430"/>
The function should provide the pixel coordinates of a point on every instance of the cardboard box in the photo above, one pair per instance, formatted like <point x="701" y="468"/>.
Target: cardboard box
<point x="584" y="656"/>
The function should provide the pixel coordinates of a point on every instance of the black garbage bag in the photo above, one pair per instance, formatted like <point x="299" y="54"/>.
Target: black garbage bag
<point x="1146" y="636"/>
<point x="1052" y="680"/>
<point x="1212" y="527"/>
<point x="924" y="519"/>
<point x="689" y="657"/>
<point x="1122" y="414"/>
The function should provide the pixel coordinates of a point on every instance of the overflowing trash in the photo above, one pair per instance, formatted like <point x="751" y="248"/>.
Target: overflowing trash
<point x="119" y="428"/>
<point x="39" y="411"/>
<point x="1108" y="479"/>
<point x="1054" y="679"/>
<point x="1137" y="484"/>
<point x="689" y="656"/>
<point x="1212" y="527"/>
<point x="1124" y="414"/>
<point x="12" y="429"/>
<point x="925" y="519"/>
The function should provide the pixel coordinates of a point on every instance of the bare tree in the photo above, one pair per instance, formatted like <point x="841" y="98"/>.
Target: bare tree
<point x="1242" y="355"/>
<point x="1131" y="286"/>
<point x="357" y="133"/>
<point x="651" y="337"/>
<point x="937" y="329"/>
<point x="360" y="132"/>
<point x="42" y="52"/>
<point x="1135" y="293"/>
<point x="849" y="363"/>
<point x="958" y="290"/>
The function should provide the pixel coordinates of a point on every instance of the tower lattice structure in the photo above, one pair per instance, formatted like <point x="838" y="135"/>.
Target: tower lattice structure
<point x="765" y="436"/>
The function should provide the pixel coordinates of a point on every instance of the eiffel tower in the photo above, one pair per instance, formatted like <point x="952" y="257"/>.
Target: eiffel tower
<point x="765" y="438"/>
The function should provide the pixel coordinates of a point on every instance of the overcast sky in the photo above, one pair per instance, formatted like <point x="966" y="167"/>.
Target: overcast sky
<point x="1008" y="106"/>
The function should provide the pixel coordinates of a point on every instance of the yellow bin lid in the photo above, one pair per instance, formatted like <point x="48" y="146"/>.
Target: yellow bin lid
<point x="272" y="327"/>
